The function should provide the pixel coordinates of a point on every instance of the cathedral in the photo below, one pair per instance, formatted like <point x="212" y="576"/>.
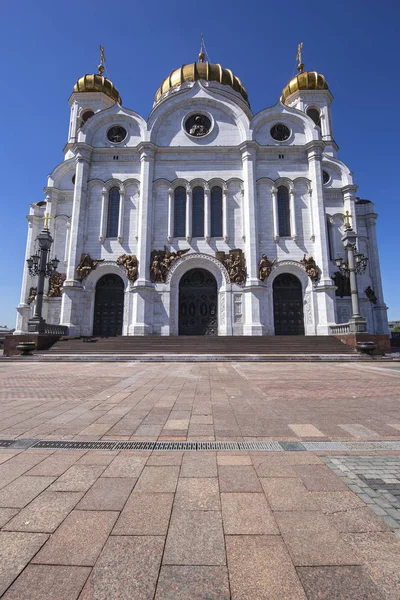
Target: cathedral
<point x="204" y="219"/>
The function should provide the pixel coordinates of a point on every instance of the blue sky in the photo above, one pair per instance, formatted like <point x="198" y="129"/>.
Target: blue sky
<point x="46" y="45"/>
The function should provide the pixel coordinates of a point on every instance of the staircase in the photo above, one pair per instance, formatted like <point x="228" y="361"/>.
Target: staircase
<point x="201" y="348"/>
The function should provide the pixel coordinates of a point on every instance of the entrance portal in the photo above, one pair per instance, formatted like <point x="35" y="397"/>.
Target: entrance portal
<point x="198" y="305"/>
<point x="108" y="306"/>
<point x="288" y="305"/>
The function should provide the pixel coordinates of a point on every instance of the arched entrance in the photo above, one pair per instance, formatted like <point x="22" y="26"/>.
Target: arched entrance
<point x="108" y="306"/>
<point x="198" y="304"/>
<point x="288" y="305"/>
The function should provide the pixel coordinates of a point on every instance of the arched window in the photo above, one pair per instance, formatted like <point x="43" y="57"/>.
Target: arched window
<point x="283" y="211"/>
<point x="198" y="212"/>
<point x="216" y="211"/>
<point x="179" y="211"/>
<point x="87" y="114"/>
<point x="314" y="114"/>
<point x="113" y="212"/>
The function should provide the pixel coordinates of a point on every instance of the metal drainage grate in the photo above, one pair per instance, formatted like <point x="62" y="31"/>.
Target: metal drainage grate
<point x="68" y="445"/>
<point x="6" y="443"/>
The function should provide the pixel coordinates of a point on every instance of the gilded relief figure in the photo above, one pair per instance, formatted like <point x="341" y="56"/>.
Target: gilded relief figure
<point x="311" y="268"/>
<point x="235" y="264"/>
<point x="130" y="262"/>
<point x="32" y="294"/>
<point x="86" y="266"/>
<point x="55" y="284"/>
<point x="161" y="261"/>
<point x="265" y="267"/>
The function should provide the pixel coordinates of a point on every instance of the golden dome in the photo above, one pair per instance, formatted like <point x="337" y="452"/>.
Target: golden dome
<point x="97" y="83"/>
<point x="205" y="71"/>
<point x="310" y="80"/>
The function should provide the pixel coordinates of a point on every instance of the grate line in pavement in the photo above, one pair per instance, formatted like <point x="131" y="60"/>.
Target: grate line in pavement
<point x="200" y="446"/>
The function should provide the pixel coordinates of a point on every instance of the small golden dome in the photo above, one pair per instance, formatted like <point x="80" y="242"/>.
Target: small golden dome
<point x="205" y="71"/>
<point x="310" y="80"/>
<point x="97" y="83"/>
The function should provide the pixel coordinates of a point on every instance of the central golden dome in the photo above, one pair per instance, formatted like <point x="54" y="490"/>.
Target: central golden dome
<point x="205" y="71"/>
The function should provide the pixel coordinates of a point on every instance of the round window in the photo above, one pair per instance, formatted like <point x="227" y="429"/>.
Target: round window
<point x="325" y="177"/>
<point x="197" y="125"/>
<point x="116" y="134"/>
<point x="280" y="132"/>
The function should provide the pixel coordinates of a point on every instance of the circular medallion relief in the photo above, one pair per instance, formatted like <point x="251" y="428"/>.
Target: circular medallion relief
<point x="280" y="132"/>
<point x="116" y="134"/>
<point x="197" y="125"/>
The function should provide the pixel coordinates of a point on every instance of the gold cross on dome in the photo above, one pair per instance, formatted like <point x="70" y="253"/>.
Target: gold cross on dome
<point x="347" y="219"/>
<point x="46" y="220"/>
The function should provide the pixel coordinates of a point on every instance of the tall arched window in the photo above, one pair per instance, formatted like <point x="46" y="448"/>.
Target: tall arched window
<point x="314" y="114"/>
<point x="113" y="212"/>
<point x="179" y="211"/>
<point x="198" y="212"/>
<point x="283" y="211"/>
<point x="216" y="211"/>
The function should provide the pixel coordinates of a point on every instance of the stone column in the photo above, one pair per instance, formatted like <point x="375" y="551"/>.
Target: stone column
<point x="325" y="288"/>
<point x="207" y="214"/>
<point x="293" y="228"/>
<point x="170" y="215"/>
<point x="103" y="215"/>
<point x="225" y="233"/>
<point x="188" y="213"/>
<point x="274" y="194"/>
<point x="253" y="290"/>
<point x="23" y="308"/>
<point x="120" y="237"/>
<point x="143" y="289"/>
<point x="379" y="310"/>
<point x="72" y="301"/>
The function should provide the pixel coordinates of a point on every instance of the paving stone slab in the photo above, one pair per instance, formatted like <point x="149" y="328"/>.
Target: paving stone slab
<point x="287" y="494"/>
<point x="45" y="513"/>
<point x="247" y="513"/>
<point x="238" y="479"/>
<point x="16" y="550"/>
<point x="158" y="479"/>
<point x="198" y="493"/>
<point x="6" y="514"/>
<point x="196" y="583"/>
<point x="46" y="582"/>
<point x="340" y="583"/>
<point x="311" y="540"/>
<point x="260" y="568"/>
<point x="23" y="490"/>
<point x="107" y="493"/>
<point x="145" y="514"/>
<point x="127" y="568"/>
<point x="126" y="465"/>
<point x="56" y="464"/>
<point x="357" y="520"/>
<point x="79" y="539"/>
<point x="195" y="538"/>
<point x="78" y="478"/>
<point x="319" y="478"/>
<point x="199" y="465"/>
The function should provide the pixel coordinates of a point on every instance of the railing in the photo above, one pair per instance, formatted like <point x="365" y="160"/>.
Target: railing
<point x="55" y="329"/>
<point x="341" y="328"/>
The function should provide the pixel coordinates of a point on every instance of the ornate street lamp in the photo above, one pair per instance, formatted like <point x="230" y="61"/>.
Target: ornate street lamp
<point x="40" y="266"/>
<point x="356" y="263"/>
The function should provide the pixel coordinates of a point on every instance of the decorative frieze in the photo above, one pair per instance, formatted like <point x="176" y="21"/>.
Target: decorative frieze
<point x="235" y="264"/>
<point x="86" y="266"/>
<point x="311" y="268"/>
<point x="55" y="284"/>
<point x="265" y="267"/>
<point x="161" y="262"/>
<point x="130" y="264"/>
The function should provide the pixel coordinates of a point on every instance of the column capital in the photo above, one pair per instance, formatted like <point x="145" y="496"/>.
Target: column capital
<point x="147" y="151"/>
<point x="315" y="149"/>
<point x="349" y="190"/>
<point x="248" y="150"/>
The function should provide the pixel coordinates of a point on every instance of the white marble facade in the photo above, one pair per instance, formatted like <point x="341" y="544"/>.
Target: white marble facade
<point x="240" y="155"/>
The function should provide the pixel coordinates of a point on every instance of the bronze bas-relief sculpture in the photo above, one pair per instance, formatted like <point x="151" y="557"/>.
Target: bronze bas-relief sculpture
<point x="161" y="261"/>
<point x="130" y="263"/>
<point x="265" y="267"/>
<point x="86" y="266"/>
<point x="235" y="264"/>
<point x="32" y="294"/>
<point x="55" y="284"/>
<point x="311" y="268"/>
<point x="369" y="292"/>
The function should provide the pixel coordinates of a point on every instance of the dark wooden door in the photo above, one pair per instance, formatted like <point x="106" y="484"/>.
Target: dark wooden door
<point x="288" y="305"/>
<point x="198" y="303"/>
<point x="108" y="306"/>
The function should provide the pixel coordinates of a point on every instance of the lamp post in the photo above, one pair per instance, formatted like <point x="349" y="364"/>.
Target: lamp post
<point x="356" y="263"/>
<point x="40" y="266"/>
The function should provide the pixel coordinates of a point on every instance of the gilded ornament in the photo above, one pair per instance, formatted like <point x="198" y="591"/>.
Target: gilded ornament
<point x="86" y="266"/>
<point x="235" y="264"/>
<point x="311" y="268"/>
<point x="32" y="294"/>
<point x="130" y="263"/>
<point x="161" y="262"/>
<point x="265" y="267"/>
<point x="56" y="282"/>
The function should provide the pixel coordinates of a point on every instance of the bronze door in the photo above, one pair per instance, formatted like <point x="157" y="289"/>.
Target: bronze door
<point x="198" y="303"/>
<point x="108" y="306"/>
<point x="288" y="305"/>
